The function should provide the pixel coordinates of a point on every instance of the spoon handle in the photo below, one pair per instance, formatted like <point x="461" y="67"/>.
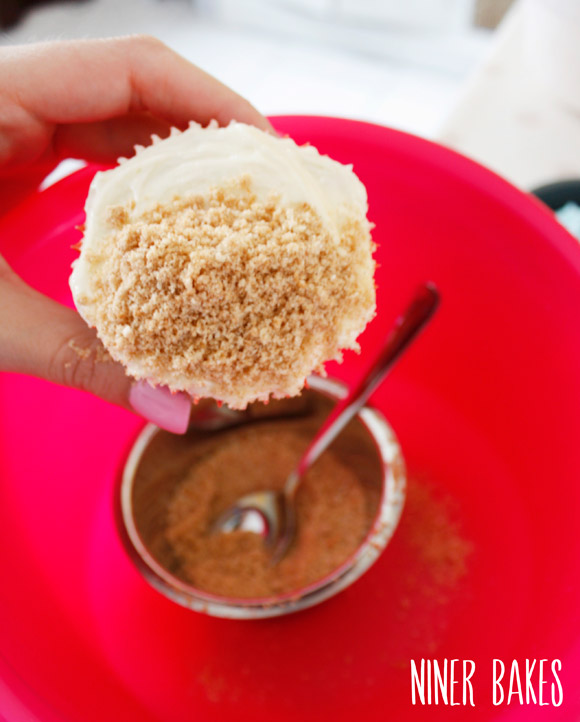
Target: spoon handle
<point x="406" y="328"/>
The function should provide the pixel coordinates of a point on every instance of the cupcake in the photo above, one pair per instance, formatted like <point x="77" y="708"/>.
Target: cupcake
<point x="226" y="262"/>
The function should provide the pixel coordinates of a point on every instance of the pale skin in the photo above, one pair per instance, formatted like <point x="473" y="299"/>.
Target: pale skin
<point x="91" y="99"/>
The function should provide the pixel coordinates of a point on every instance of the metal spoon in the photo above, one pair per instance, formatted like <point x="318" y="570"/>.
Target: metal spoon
<point x="277" y="508"/>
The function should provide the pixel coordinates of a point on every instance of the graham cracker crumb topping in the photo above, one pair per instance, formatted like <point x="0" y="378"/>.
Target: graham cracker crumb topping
<point x="229" y="295"/>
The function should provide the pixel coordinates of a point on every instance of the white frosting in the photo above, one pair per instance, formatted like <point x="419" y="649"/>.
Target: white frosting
<point x="193" y="161"/>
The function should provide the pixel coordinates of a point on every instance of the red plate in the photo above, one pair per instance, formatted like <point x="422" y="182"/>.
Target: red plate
<point x="485" y="563"/>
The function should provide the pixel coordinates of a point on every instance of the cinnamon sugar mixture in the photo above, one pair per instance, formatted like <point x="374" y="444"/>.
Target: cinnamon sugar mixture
<point x="330" y="510"/>
<point x="191" y="485"/>
<point x="226" y="296"/>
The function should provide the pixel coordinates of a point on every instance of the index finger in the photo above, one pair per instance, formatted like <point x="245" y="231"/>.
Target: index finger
<point x="92" y="80"/>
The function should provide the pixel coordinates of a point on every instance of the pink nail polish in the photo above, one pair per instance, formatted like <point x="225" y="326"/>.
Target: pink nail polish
<point x="168" y="410"/>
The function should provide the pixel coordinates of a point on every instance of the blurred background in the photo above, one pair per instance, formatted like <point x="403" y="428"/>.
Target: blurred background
<point x="499" y="80"/>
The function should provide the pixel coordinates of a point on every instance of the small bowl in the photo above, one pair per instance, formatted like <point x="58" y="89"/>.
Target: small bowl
<point x="142" y="516"/>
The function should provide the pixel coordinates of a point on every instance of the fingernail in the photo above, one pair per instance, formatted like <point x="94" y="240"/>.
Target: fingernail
<point x="168" y="410"/>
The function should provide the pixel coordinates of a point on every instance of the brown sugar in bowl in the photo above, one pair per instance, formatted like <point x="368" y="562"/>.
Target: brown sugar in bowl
<point x="348" y="506"/>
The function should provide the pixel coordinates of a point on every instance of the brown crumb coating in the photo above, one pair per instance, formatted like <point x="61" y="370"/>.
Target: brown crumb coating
<point x="331" y="509"/>
<point x="229" y="296"/>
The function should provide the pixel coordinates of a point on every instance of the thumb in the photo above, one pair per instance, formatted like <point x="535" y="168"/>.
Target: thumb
<point x="42" y="338"/>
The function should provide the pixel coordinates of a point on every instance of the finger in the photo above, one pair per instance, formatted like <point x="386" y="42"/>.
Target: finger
<point x="108" y="140"/>
<point x="92" y="80"/>
<point x="42" y="338"/>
